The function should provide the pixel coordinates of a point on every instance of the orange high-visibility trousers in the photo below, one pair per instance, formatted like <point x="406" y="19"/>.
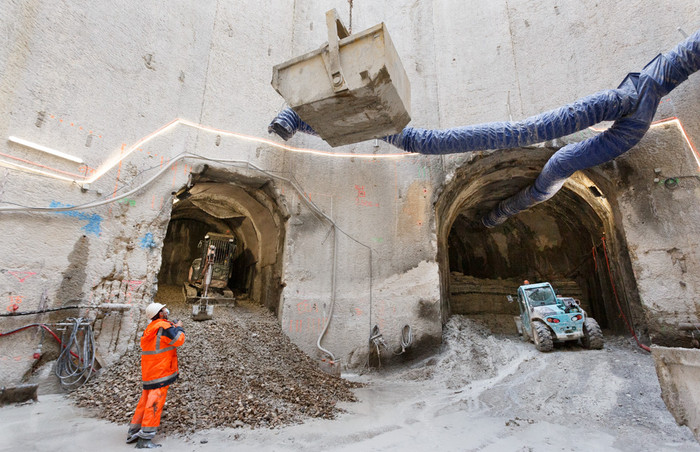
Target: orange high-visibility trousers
<point x="146" y="419"/>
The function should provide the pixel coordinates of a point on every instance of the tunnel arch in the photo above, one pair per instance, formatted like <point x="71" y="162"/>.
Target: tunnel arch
<point x="244" y="206"/>
<point x="564" y="241"/>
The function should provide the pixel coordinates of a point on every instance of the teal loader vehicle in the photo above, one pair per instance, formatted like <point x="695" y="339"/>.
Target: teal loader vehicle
<point x="546" y="318"/>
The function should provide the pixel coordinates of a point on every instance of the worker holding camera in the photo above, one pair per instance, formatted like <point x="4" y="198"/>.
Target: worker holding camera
<point x="158" y="370"/>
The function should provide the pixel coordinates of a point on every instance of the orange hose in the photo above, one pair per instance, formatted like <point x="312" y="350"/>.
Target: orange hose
<point x="617" y="300"/>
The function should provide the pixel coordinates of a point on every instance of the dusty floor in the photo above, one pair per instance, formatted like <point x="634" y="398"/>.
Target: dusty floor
<point x="482" y="393"/>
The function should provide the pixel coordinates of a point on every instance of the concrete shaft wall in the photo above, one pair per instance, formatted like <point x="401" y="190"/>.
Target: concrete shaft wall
<point x="100" y="82"/>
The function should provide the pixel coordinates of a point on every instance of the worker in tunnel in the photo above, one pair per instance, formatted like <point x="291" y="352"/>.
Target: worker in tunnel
<point x="158" y="371"/>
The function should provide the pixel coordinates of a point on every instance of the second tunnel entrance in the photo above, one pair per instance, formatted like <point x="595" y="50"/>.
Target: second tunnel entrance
<point x="569" y="241"/>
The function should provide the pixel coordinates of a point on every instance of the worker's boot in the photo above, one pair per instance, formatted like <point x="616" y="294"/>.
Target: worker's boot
<point x="132" y="437"/>
<point x="146" y="444"/>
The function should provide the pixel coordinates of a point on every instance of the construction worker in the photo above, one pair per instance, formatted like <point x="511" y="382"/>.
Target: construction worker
<point x="158" y="371"/>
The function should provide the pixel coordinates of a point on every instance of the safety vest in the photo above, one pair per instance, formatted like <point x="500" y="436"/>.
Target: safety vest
<point x="158" y="353"/>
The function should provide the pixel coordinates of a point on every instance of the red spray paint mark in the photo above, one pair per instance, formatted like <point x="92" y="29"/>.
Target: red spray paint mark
<point x="21" y="275"/>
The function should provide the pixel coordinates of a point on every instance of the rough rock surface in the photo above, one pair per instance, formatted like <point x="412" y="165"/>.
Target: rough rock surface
<point x="236" y="370"/>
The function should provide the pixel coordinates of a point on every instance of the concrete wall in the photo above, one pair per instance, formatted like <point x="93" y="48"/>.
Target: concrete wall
<point x="93" y="79"/>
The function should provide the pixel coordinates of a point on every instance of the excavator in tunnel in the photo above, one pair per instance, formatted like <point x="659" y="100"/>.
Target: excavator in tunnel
<point x="209" y="275"/>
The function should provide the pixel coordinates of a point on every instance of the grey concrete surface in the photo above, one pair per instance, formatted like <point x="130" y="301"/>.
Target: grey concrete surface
<point x="677" y="369"/>
<point x="94" y="80"/>
<point x="506" y="397"/>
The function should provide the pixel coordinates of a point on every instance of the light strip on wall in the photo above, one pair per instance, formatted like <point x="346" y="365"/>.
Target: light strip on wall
<point x="27" y="169"/>
<point x="290" y="148"/>
<point x="661" y="122"/>
<point x="114" y="161"/>
<point x="38" y="147"/>
<point x="677" y="122"/>
<point x="73" y="175"/>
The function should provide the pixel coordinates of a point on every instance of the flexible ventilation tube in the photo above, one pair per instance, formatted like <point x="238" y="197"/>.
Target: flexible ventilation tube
<point x="632" y="106"/>
<point x="287" y="123"/>
<point x="657" y="79"/>
<point x="604" y="106"/>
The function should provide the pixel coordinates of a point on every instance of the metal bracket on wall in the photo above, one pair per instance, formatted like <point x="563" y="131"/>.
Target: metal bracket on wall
<point x="331" y="56"/>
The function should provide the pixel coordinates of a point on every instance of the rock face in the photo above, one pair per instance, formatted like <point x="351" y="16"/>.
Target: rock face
<point x="108" y="92"/>
<point x="237" y="369"/>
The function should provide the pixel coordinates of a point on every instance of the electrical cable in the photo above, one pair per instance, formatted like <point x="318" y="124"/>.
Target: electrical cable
<point x="81" y="341"/>
<point x="182" y="156"/>
<point x="41" y="311"/>
<point x="369" y="346"/>
<point x="406" y="338"/>
<point x="377" y="340"/>
<point x="309" y="203"/>
<point x="55" y="336"/>
<point x="26" y="327"/>
<point x="89" y="205"/>
<point x="333" y="286"/>
<point x="617" y="300"/>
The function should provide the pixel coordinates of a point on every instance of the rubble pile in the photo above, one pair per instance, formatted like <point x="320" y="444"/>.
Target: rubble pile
<point x="470" y="352"/>
<point x="236" y="370"/>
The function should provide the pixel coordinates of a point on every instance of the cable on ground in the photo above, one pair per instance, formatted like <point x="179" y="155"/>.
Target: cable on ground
<point x="75" y="364"/>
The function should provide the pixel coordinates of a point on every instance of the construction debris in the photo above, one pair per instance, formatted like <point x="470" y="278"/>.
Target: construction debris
<point x="236" y="370"/>
<point x="18" y="394"/>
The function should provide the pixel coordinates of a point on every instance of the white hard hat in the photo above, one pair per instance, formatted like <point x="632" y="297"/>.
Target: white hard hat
<point x="153" y="309"/>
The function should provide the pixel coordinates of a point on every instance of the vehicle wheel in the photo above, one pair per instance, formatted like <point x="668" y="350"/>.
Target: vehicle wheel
<point x="592" y="335"/>
<point x="543" y="337"/>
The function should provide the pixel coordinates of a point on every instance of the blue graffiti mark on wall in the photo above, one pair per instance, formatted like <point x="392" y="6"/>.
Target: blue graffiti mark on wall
<point x="147" y="241"/>
<point x="94" y="225"/>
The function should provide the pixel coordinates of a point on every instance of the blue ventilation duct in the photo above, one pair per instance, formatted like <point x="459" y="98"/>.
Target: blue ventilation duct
<point x="287" y="123"/>
<point x="632" y="106"/>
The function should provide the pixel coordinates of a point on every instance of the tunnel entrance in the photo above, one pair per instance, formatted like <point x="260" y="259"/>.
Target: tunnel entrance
<point x="563" y="241"/>
<point x="242" y="207"/>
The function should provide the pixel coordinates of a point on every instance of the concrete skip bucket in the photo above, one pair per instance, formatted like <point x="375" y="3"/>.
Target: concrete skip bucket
<point x="352" y="89"/>
<point x="678" y="370"/>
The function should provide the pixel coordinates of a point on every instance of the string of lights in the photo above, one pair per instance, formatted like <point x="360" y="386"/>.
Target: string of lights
<point x="124" y="153"/>
<point x="47" y="171"/>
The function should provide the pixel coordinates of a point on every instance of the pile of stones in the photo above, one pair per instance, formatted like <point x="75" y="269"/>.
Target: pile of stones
<point x="238" y="369"/>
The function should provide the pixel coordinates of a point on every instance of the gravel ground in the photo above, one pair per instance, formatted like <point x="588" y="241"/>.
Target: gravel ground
<point x="613" y="392"/>
<point x="482" y="392"/>
<point x="236" y="370"/>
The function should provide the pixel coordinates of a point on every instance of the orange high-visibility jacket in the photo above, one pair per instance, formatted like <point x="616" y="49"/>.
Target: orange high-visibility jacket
<point x="158" y="354"/>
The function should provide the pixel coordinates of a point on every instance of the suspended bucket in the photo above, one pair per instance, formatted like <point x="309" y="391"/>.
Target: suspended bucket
<point x="352" y="89"/>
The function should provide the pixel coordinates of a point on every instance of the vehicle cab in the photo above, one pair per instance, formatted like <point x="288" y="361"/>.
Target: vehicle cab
<point x="562" y="315"/>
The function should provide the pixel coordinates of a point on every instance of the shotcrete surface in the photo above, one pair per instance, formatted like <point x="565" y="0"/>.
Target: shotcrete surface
<point x="481" y="393"/>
